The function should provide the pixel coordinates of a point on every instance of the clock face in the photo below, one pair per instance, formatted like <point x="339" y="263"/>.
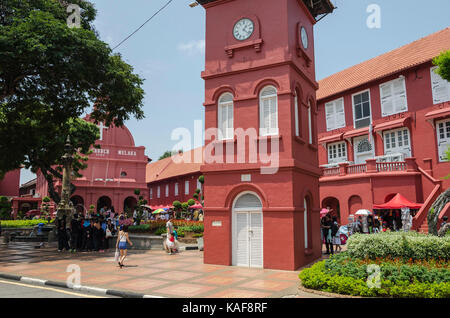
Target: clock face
<point x="304" y="37"/>
<point x="243" y="29"/>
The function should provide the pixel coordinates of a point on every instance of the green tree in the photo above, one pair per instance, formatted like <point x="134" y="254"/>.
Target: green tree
<point x="5" y="208"/>
<point x="443" y="63"/>
<point x="50" y="75"/>
<point x="169" y="154"/>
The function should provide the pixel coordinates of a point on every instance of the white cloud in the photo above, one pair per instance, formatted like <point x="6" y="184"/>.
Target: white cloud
<point x="192" y="47"/>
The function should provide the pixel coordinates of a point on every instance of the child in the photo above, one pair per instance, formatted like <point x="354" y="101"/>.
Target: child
<point x="171" y="244"/>
<point x="175" y="236"/>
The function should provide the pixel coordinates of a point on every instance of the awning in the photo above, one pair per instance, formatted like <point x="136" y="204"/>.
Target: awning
<point x="440" y="113"/>
<point x="332" y="138"/>
<point x="392" y="124"/>
<point x="356" y="132"/>
<point x="397" y="202"/>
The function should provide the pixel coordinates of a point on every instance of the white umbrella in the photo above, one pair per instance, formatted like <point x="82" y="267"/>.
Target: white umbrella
<point x="363" y="212"/>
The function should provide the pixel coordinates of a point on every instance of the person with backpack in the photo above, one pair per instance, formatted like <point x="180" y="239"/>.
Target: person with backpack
<point x="336" y="235"/>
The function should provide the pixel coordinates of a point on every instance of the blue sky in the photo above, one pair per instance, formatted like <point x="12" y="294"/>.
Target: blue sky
<point x="169" y="52"/>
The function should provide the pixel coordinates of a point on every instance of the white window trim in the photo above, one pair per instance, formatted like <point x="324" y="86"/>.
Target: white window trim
<point x="305" y="221"/>
<point x="151" y="193"/>
<point x="337" y="159"/>
<point x="310" y="123"/>
<point x="393" y="106"/>
<point x="353" y="107"/>
<point x="333" y="102"/>
<point x="263" y="131"/>
<point x="396" y="140"/>
<point x="167" y="190"/>
<point x="296" y="114"/>
<point x="224" y="135"/>
<point x="176" y="189"/>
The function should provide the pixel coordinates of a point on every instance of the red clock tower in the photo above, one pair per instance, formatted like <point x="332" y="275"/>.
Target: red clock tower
<point x="261" y="165"/>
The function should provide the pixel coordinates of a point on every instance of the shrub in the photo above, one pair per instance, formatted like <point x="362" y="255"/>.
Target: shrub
<point x="345" y="276"/>
<point x="410" y="245"/>
<point x="161" y="230"/>
<point x="191" y="202"/>
<point x="22" y="223"/>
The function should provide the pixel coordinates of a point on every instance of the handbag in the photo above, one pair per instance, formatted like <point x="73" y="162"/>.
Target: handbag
<point x="116" y="255"/>
<point x="108" y="233"/>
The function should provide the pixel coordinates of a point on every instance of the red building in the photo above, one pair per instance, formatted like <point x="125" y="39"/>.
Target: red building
<point x="174" y="178"/>
<point x="114" y="171"/>
<point x="9" y="185"/>
<point x="261" y="207"/>
<point x="383" y="127"/>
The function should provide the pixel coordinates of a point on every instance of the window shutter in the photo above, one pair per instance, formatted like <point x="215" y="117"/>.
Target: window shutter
<point x="273" y="116"/>
<point x="400" y="95"/>
<point x="387" y="106"/>
<point x="440" y="88"/>
<point x="340" y="113"/>
<point x="230" y="121"/>
<point x="310" y="124"/>
<point x="242" y="239"/>
<point x="330" y="116"/>
<point x="297" y="124"/>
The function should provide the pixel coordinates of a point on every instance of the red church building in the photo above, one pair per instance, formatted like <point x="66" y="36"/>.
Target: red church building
<point x="9" y="185"/>
<point x="114" y="171"/>
<point x="261" y="166"/>
<point x="384" y="127"/>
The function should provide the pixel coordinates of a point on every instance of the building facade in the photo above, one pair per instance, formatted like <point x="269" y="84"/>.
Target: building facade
<point x="259" y="78"/>
<point x="174" y="178"/>
<point x="114" y="171"/>
<point x="9" y="185"/>
<point x="384" y="127"/>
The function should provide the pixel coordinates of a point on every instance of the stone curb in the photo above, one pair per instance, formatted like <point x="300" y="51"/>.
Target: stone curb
<point x="94" y="290"/>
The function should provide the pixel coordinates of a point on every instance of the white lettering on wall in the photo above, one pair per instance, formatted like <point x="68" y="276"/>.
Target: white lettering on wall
<point x="127" y="153"/>
<point x="101" y="152"/>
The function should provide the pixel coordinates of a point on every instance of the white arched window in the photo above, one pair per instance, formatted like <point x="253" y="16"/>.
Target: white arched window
<point x="305" y="222"/>
<point x="225" y="117"/>
<point x="297" y="123"/>
<point x="268" y="111"/>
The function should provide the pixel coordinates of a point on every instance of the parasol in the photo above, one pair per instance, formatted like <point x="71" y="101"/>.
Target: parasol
<point x="363" y="212"/>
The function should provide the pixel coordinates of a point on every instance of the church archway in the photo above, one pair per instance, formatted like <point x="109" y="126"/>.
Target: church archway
<point x="102" y="202"/>
<point x="129" y="204"/>
<point x="354" y="204"/>
<point x="78" y="204"/>
<point x="334" y="205"/>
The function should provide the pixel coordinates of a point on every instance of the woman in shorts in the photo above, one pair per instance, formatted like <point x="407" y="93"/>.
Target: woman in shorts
<point x="122" y="240"/>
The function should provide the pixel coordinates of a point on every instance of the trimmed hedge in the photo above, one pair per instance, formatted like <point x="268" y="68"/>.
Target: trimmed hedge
<point x="352" y="280"/>
<point x="409" y="245"/>
<point x="22" y="223"/>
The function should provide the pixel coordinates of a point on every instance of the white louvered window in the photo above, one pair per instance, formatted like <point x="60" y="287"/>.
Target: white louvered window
<point x="440" y="88"/>
<point x="158" y="192"/>
<point x="186" y="187"/>
<point x="305" y="222"/>
<point x="268" y="111"/>
<point x="310" y="123"/>
<point x="167" y="190"/>
<point x="225" y="117"/>
<point x="335" y="114"/>
<point x="297" y="123"/>
<point x="199" y="185"/>
<point x="151" y="193"/>
<point x="393" y="97"/>
<point x="443" y="138"/>
<point x="176" y="189"/>
<point x="337" y="152"/>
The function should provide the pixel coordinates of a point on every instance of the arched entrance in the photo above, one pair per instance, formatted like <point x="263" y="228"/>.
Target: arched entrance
<point x="247" y="234"/>
<point x="354" y="204"/>
<point x="129" y="204"/>
<point x="102" y="202"/>
<point x="333" y="204"/>
<point x="78" y="204"/>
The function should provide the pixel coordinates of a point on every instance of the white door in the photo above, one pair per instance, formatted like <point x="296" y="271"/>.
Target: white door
<point x="363" y="149"/>
<point x="249" y="239"/>
<point x="248" y="232"/>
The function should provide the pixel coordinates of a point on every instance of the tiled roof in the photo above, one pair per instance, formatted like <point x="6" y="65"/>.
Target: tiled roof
<point x="415" y="53"/>
<point x="189" y="162"/>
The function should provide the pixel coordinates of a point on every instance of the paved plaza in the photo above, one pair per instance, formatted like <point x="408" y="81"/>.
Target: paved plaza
<point x="151" y="273"/>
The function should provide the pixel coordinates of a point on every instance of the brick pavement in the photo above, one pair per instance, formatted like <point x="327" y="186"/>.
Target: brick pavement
<point x="152" y="273"/>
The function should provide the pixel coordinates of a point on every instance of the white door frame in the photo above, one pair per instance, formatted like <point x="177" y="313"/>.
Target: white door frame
<point x="234" y="228"/>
